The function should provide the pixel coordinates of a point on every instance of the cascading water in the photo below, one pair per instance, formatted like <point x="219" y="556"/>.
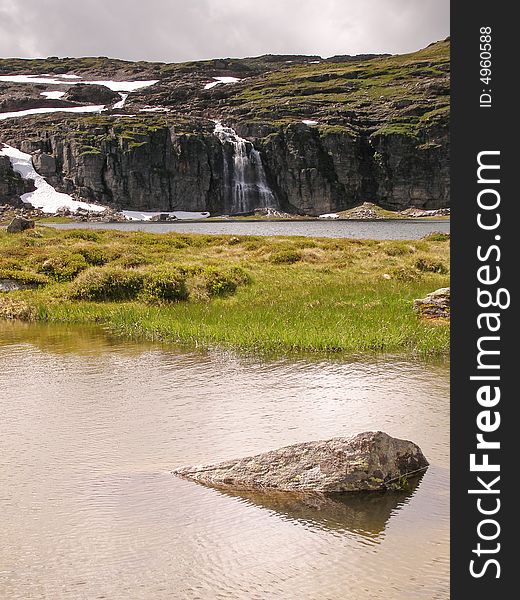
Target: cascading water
<point x="245" y="182"/>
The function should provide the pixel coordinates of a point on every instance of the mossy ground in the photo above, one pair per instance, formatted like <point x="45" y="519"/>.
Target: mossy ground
<point x="330" y="295"/>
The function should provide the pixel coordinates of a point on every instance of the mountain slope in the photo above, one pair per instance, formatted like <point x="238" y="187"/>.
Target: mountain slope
<point x="330" y="133"/>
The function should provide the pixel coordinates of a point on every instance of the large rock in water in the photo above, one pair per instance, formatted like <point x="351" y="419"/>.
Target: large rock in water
<point x="369" y="461"/>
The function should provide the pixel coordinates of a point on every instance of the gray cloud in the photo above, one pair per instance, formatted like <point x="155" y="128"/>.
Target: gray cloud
<point x="178" y="30"/>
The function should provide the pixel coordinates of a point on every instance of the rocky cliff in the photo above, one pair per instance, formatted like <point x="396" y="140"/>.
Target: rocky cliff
<point x="321" y="135"/>
<point x="12" y="186"/>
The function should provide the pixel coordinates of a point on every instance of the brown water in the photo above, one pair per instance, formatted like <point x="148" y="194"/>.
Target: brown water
<point x="90" y="427"/>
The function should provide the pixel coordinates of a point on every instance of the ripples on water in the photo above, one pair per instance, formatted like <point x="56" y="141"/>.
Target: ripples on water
<point x="90" y="427"/>
<point x="402" y="229"/>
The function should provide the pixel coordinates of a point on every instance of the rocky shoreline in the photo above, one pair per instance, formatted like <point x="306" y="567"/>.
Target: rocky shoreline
<point x="9" y="211"/>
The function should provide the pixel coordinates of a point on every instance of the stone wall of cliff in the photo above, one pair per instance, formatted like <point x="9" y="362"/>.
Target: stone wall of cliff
<point x="12" y="186"/>
<point x="311" y="170"/>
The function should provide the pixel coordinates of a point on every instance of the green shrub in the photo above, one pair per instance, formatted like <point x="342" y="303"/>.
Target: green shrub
<point x="285" y="257"/>
<point x="131" y="259"/>
<point x="437" y="236"/>
<point x="166" y="284"/>
<point x="399" y="250"/>
<point x="210" y="281"/>
<point x="107" y="283"/>
<point x="24" y="277"/>
<point x="405" y="274"/>
<point x="64" y="266"/>
<point x="427" y="265"/>
<point x="83" y="234"/>
<point x="94" y="254"/>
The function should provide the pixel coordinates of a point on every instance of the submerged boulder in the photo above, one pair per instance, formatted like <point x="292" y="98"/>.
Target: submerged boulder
<point x="435" y="305"/>
<point x="369" y="461"/>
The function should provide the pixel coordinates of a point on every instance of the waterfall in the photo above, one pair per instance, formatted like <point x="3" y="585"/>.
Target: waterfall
<point x="245" y="182"/>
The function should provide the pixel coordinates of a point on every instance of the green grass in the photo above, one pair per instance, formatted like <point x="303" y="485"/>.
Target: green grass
<point x="341" y="296"/>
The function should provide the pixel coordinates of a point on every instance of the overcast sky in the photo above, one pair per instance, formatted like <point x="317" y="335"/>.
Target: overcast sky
<point x="179" y="30"/>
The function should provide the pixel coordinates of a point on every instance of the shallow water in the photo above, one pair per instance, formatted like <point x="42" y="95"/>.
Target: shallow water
<point x="403" y="229"/>
<point x="91" y="425"/>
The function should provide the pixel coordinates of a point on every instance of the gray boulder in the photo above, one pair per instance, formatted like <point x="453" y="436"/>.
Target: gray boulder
<point x="19" y="224"/>
<point x="435" y="305"/>
<point x="369" y="461"/>
<point x="91" y="93"/>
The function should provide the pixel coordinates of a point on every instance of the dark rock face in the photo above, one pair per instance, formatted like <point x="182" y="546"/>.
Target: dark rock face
<point x="91" y="94"/>
<point x="17" y="96"/>
<point x="309" y="171"/>
<point x="19" y="224"/>
<point x="366" y="462"/>
<point x="318" y="172"/>
<point x="12" y="186"/>
<point x="44" y="163"/>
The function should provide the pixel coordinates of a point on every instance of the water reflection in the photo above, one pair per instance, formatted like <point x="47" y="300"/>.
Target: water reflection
<point x="92" y="426"/>
<point x="365" y="514"/>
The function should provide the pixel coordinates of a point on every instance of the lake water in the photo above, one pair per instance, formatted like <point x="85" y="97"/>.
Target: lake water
<point x="91" y="426"/>
<point x="403" y="229"/>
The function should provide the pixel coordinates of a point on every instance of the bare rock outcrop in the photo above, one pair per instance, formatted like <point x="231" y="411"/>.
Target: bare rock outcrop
<point x="19" y="224"/>
<point x="435" y="305"/>
<point x="370" y="461"/>
<point x="12" y="186"/>
<point x="91" y="93"/>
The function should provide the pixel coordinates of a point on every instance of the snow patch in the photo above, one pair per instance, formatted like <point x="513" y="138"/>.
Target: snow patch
<point x="123" y="86"/>
<point x="121" y="102"/>
<point x="329" y="216"/>
<point x="154" y="109"/>
<point x="219" y="80"/>
<point x="43" y="111"/>
<point x="310" y="123"/>
<point x="53" y="95"/>
<point x="116" y="86"/>
<point x="45" y="197"/>
<point x="135" y="215"/>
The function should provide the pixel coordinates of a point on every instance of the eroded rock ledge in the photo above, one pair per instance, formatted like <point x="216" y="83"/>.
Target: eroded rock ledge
<point x="370" y="461"/>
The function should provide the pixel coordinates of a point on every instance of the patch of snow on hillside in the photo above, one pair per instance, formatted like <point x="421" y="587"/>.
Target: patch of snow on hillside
<point x="53" y="95"/>
<point x="44" y="111"/>
<point x="121" y="102"/>
<point x="154" y="109"/>
<point x="135" y="215"/>
<point x="116" y="86"/>
<point x="45" y="196"/>
<point x="310" y="123"/>
<point x="329" y="216"/>
<point x="122" y="86"/>
<point x="219" y="80"/>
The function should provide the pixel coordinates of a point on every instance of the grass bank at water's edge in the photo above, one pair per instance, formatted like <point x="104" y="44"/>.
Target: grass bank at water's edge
<point x="242" y="292"/>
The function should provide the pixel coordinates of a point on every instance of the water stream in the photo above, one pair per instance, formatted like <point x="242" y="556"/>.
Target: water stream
<point x="245" y="181"/>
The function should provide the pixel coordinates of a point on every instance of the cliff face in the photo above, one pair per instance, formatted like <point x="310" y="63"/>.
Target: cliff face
<point x="12" y="186"/>
<point x="320" y="136"/>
